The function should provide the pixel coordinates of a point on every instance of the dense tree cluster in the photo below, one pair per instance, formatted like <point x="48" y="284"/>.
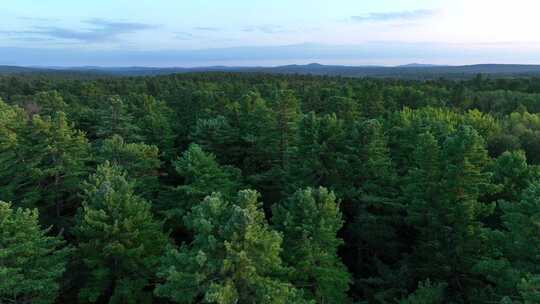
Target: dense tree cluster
<point x="252" y="188"/>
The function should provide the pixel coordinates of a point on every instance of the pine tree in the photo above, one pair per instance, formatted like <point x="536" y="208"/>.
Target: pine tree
<point x="217" y="135"/>
<point x="427" y="293"/>
<point x="513" y="174"/>
<point x="287" y="109"/>
<point x="201" y="176"/>
<point x="12" y="120"/>
<point x="529" y="289"/>
<point x="46" y="160"/>
<point x="514" y="264"/>
<point x="115" y="119"/>
<point x="31" y="262"/>
<point x="443" y="207"/>
<point x="376" y="235"/>
<point x="119" y="241"/>
<point x="43" y="103"/>
<point x="344" y="108"/>
<point x="154" y="120"/>
<point x="318" y="159"/>
<point x="310" y="221"/>
<point x="234" y="258"/>
<point x="254" y="119"/>
<point x="140" y="161"/>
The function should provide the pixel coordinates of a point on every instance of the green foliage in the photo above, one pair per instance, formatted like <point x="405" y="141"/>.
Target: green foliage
<point x="154" y="120"/>
<point x="234" y="258"/>
<point x="119" y="241"/>
<point x="317" y="159"/>
<point x="443" y="191"/>
<point x="31" y="262"/>
<point x="140" y="162"/>
<point x="44" y="161"/>
<point x="420" y="170"/>
<point x="113" y="118"/>
<point x="375" y="232"/>
<point x="43" y="103"/>
<point x="427" y="293"/>
<point x="254" y="121"/>
<point x="515" y="264"/>
<point x="287" y="111"/>
<point x="310" y="221"/>
<point x="513" y="174"/>
<point x="201" y="176"/>
<point x="529" y="288"/>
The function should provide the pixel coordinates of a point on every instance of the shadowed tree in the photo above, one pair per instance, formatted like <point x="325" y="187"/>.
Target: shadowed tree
<point x="310" y="221"/>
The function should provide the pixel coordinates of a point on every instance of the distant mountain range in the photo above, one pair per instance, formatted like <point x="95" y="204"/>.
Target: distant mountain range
<point x="412" y="71"/>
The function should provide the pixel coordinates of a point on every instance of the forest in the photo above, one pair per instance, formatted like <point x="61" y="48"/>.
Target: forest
<point x="255" y="188"/>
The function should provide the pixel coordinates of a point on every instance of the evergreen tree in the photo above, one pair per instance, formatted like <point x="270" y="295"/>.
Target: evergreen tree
<point x="427" y="293"/>
<point x="217" y="135"/>
<point x="529" y="289"/>
<point x="514" y="264"/>
<point x="43" y="103"/>
<point x="113" y="118"/>
<point x="45" y="163"/>
<point x="287" y="109"/>
<point x="344" y="108"/>
<point x="201" y="176"/>
<point x="444" y="208"/>
<point x="376" y="235"/>
<point x="12" y="120"/>
<point x="513" y="174"/>
<point x="154" y="120"/>
<point x="119" y="241"/>
<point x="140" y="161"/>
<point x="254" y="119"/>
<point x="234" y="258"/>
<point x="310" y="221"/>
<point x="31" y="262"/>
<point x="318" y="159"/>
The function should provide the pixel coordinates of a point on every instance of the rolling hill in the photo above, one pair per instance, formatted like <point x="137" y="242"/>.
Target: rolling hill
<point x="410" y="71"/>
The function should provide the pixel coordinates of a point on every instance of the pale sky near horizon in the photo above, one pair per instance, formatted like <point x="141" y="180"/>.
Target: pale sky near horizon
<point x="251" y="32"/>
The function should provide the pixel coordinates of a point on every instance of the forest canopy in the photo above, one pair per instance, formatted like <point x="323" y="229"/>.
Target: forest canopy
<point x="252" y="188"/>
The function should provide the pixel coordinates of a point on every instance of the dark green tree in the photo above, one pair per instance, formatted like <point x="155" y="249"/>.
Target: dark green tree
<point x="376" y="235"/>
<point x="442" y="193"/>
<point x="140" y="162"/>
<point x="514" y="264"/>
<point x="287" y="109"/>
<point x="310" y="221"/>
<point x="114" y="118"/>
<point x="513" y="174"/>
<point x="427" y="293"/>
<point x="201" y="176"/>
<point x="154" y="119"/>
<point x="31" y="262"/>
<point x="234" y="258"/>
<point x="318" y="158"/>
<point x="45" y="162"/>
<point x="119" y="241"/>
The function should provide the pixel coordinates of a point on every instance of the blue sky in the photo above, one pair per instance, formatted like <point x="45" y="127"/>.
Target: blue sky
<point x="256" y="32"/>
